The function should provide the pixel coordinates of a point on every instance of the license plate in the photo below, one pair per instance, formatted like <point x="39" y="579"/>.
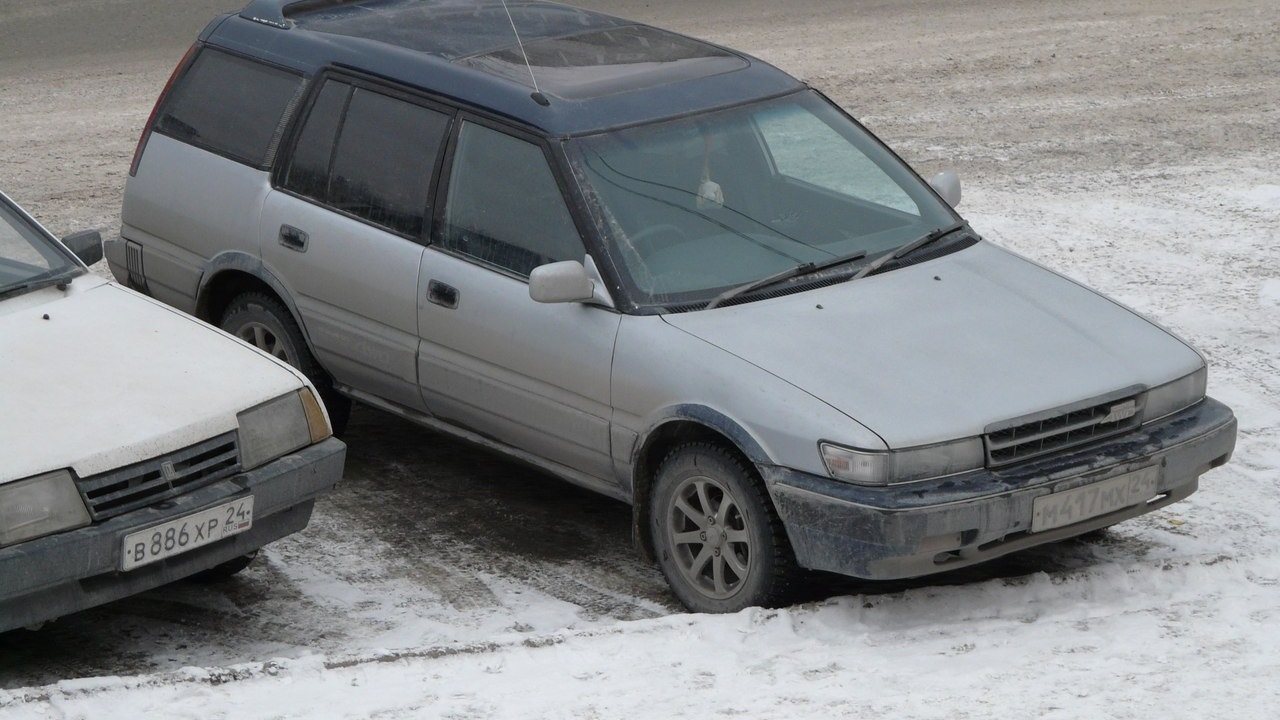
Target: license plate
<point x="1100" y="498"/>
<point x="186" y="533"/>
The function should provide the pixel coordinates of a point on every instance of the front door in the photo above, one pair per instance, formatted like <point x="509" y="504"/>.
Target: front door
<point x="534" y="376"/>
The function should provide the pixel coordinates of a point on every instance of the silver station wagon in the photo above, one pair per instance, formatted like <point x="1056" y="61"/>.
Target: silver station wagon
<point x="658" y="268"/>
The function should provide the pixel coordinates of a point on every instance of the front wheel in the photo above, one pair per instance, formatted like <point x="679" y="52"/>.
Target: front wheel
<point x="716" y="535"/>
<point x="263" y="322"/>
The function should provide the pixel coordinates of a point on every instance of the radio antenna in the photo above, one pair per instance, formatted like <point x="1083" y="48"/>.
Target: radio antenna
<point x="537" y="95"/>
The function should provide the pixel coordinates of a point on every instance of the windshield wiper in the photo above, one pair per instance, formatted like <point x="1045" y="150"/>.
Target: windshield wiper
<point x="43" y="280"/>
<point x="793" y="272"/>
<point x="907" y="249"/>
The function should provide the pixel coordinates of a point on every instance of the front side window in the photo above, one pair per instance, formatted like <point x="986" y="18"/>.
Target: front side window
<point x="229" y="105"/>
<point x="368" y="154"/>
<point x="504" y="207"/>
<point x="701" y="205"/>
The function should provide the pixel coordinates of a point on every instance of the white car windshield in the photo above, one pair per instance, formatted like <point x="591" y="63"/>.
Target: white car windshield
<point x="29" y="260"/>
<point x="697" y="206"/>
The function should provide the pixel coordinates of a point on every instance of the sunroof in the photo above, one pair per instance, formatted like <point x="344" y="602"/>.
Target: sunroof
<point x="605" y="61"/>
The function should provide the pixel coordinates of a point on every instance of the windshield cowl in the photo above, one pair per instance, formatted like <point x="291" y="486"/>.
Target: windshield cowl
<point x="790" y="274"/>
<point x="60" y="278"/>
<point x="814" y="279"/>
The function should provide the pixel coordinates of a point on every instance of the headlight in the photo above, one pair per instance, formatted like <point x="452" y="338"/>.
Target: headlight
<point x="886" y="467"/>
<point x="281" y="426"/>
<point x="39" y="506"/>
<point x="1178" y="395"/>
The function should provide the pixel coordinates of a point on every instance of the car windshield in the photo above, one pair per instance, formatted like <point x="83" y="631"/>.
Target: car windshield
<point x="697" y="206"/>
<point x="29" y="260"/>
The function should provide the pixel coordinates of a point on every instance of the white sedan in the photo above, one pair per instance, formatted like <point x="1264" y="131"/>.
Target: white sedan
<point x="137" y="444"/>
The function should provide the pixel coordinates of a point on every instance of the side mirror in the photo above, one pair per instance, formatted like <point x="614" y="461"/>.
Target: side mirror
<point x="561" y="282"/>
<point x="947" y="184"/>
<point x="86" y="245"/>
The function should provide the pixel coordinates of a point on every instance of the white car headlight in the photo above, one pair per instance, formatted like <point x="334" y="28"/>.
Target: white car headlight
<point x="1178" y="395"/>
<point x="886" y="467"/>
<point x="281" y="426"/>
<point x="40" y="505"/>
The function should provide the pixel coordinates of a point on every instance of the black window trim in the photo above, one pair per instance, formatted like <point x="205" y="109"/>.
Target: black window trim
<point x="277" y="135"/>
<point x="357" y="80"/>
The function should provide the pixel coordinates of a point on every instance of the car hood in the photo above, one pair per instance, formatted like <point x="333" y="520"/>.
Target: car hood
<point x="99" y="377"/>
<point x="940" y="350"/>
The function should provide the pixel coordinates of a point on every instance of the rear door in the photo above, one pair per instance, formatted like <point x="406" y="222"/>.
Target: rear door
<point x="345" y="230"/>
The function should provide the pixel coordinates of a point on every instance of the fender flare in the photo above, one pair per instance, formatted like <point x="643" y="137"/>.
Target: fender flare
<point x="707" y="417"/>
<point x="244" y="263"/>
<point x="701" y="415"/>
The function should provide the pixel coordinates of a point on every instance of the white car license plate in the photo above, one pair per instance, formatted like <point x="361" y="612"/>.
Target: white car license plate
<point x="186" y="533"/>
<point x="1100" y="498"/>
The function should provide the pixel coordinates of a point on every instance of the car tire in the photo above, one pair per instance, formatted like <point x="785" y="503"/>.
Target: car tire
<point x="218" y="573"/>
<point x="715" y="533"/>
<point x="263" y="322"/>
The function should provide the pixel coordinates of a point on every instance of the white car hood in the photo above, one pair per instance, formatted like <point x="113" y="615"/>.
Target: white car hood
<point x="939" y="350"/>
<point x="99" y="377"/>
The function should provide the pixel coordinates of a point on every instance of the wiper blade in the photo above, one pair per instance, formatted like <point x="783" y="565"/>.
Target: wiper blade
<point x="43" y="280"/>
<point x="793" y="272"/>
<point x="907" y="249"/>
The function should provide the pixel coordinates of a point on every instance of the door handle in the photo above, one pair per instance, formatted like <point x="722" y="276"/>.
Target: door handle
<point x="442" y="294"/>
<point x="293" y="238"/>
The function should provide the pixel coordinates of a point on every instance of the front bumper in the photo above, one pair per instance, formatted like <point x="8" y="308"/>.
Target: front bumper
<point x="52" y="576"/>
<point x="915" y="529"/>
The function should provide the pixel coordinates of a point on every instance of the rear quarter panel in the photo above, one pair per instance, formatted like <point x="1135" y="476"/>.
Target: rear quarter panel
<point x="184" y="206"/>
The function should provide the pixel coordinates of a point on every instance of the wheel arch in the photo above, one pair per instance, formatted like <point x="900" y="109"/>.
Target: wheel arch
<point x="682" y="424"/>
<point x="230" y="274"/>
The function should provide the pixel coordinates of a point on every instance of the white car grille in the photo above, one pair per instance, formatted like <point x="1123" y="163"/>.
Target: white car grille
<point x="151" y="481"/>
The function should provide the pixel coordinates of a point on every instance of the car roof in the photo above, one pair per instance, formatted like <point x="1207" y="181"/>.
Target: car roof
<point x="593" y="71"/>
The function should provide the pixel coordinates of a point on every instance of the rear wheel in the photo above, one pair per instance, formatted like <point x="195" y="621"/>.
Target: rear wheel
<point x="717" y="538"/>
<point x="263" y="322"/>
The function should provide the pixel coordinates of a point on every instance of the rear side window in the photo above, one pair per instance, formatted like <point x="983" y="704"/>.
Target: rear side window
<point x="229" y="105"/>
<point x="370" y="155"/>
<point x="308" y="172"/>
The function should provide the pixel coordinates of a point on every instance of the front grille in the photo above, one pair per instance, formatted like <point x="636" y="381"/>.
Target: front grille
<point x="151" y="481"/>
<point x="1033" y="436"/>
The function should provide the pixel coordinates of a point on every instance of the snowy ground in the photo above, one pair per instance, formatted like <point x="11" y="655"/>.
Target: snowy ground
<point x="1134" y="148"/>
